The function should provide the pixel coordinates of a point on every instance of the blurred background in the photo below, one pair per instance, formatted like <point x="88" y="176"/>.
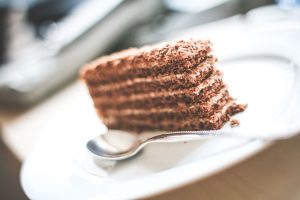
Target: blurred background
<point x="43" y="44"/>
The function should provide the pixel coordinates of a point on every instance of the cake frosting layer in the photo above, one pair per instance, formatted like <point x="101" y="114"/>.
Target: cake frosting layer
<point x="214" y="121"/>
<point x="179" y="111"/>
<point x="173" y="57"/>
<point x="200" y="93"/>
<point x="158" y="83"/>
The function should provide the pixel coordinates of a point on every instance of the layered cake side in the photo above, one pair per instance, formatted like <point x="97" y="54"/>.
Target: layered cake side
<point x="172" y="86"/>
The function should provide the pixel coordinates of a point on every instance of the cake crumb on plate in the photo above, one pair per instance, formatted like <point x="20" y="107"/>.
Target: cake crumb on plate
<point x="234" y="122"/>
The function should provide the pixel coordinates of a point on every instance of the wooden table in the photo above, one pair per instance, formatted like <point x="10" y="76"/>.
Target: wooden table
<point x="272" y="174"/>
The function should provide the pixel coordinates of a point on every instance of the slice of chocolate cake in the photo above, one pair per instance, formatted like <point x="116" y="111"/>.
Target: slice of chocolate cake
<point x="172" y="86"/>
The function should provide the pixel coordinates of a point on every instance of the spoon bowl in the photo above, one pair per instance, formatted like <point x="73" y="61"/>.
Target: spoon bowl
<point x="114" y="145"/>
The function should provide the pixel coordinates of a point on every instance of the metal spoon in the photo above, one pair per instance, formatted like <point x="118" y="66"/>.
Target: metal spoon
<point x="119" y="145"/>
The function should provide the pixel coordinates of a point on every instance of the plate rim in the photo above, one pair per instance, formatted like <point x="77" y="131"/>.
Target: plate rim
<point x="262" y="145"/>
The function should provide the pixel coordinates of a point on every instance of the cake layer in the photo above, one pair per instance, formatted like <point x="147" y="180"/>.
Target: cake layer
<point x="159" y="83"/>
<point x="175" y="57"/>
<point x="179" y="112"/>
<point x="215" y="121"/>
<point x="204" y="91"/>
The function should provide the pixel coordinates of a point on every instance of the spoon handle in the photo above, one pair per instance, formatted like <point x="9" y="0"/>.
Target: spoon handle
<point x="178" y="136"/>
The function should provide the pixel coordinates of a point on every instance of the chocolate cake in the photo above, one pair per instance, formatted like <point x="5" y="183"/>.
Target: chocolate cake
<point x="172" y="86"/>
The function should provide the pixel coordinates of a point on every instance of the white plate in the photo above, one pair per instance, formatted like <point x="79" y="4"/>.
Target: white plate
<point x="260" y="69"/>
